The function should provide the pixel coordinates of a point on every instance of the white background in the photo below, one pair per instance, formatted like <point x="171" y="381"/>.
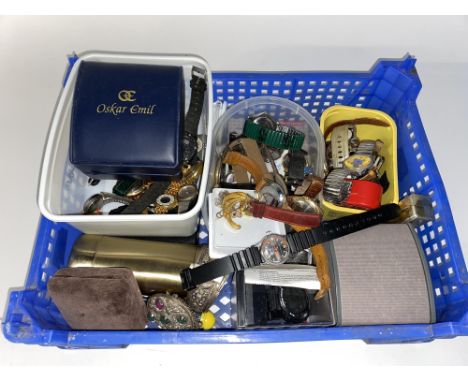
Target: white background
<point x="32" y="63"/>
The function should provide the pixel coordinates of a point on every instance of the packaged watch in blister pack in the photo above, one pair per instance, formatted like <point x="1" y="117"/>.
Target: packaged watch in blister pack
<point x="275" y="303"/>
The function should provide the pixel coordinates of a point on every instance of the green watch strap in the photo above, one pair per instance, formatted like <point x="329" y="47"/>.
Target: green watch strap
<point x="286" y="140"/>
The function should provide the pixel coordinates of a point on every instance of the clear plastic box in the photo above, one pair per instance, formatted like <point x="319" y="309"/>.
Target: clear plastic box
<point x="284" y="111"/>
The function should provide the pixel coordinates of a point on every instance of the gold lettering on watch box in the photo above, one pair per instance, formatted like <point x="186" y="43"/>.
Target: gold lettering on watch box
<point x="125" y="96"/>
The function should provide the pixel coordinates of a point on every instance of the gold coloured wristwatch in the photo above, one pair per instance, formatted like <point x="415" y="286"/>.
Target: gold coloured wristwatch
<point x="168" y="200"/>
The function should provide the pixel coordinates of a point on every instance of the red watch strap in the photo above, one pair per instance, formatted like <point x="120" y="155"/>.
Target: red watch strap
<point x="304" y="219"/>
<point x="364" y="194"/>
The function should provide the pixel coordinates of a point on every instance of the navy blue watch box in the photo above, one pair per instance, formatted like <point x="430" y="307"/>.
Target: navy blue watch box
<point x="127" y="120"/>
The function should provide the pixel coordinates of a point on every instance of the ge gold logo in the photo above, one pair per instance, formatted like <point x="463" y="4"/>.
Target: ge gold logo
<point x="127" y="95"/>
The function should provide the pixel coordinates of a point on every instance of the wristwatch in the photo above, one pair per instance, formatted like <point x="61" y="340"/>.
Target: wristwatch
<point x="186" y="197"/>
<point x="189" y="147"/>
<point x="335" y="189"/>
<point x="192" y="118"/>
<point x="94" y="204"/>
<point x="364" y="158"/>
<point x="272" y="194"/>
<point x="264" y="129"/>
<point x="339" y="146"/>
<point x="277" y="249"/>
<point x="359" y="164"/>
<point x="296" y="166"/>
<point x="291" y="304"/>
<point x="304" y="204"/>
<point x="129" y="187"/>
<point x="190" y="175"/>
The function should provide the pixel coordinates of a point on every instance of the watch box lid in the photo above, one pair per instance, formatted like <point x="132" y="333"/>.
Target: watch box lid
<point x="127" y="119"/>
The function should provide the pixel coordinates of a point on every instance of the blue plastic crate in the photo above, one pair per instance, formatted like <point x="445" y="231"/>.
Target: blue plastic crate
<point x="391" y="86"/>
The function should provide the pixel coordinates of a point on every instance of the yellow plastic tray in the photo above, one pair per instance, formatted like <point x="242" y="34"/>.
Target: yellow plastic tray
<point x="387" y="134"/>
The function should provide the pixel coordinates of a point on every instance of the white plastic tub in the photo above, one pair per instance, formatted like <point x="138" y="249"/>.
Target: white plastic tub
<point x="63" y="188"/>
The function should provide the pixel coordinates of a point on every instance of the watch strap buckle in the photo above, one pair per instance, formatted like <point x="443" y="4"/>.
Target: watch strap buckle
<point x="186" y="276"/>
<point x="198" y="82"/>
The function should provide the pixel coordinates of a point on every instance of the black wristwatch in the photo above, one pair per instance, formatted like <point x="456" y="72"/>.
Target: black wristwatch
<point x="289" y="304"/>
<point x="296" y="166"/>
<point x="276" y="249"/>
<point x="192" y="118"/>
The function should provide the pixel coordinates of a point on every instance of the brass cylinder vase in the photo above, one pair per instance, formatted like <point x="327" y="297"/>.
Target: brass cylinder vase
<point x="156" y="265"/>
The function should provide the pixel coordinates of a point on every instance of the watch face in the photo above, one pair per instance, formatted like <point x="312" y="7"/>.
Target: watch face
<point x="358" y="163"/>
<point x="275" y="249"/>
<point x="137" y="188"/>
<point x="187" y="192"/>
<point x="272" y="194"/>
<point x="265" y="120"/>
<point x="294" y="303"/>
<point x="189" y="147"/>
<point x="304" y="204"/>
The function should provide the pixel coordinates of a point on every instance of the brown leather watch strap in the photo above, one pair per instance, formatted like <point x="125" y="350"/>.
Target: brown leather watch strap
<point x="311" y="186"/>
<point x="304" y="219"/>
<point x="234" y="158"/>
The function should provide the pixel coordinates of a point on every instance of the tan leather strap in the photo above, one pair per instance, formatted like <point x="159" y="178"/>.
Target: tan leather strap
<point x="321" y="260"/>
<point x="237" y="159"/>
<point x="249" y="148"/>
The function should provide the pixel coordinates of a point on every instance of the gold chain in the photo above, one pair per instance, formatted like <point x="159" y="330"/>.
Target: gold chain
<point x="234" y="204"/>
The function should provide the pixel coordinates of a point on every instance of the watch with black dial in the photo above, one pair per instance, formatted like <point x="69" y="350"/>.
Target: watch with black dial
<point x="296" y="165"/>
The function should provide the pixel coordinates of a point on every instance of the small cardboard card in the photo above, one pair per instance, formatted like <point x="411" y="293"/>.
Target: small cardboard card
<point x="283" y="275"/>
